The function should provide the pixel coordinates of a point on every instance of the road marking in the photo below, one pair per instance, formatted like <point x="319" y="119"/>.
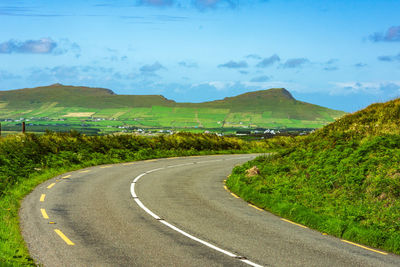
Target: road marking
<point x="364" y="247"/>
<point x="51" y="185"/>
<point x="137" y="178"/>
<point x="42" y="197"/>
<point x="44" y="214"/>
<point x="63" y="237"/>
<point x="130" y="163"/>
<point x="66" y="176"/>
<point x="154" y="170"/>
<point x="251" y="205"/>
<point x="179" y="165"/>
<point x="150" y="160"/>
<point x="255" y="207"/>
<point x="230" y="254"/>
<point x="104" y="167"/>
<point x="84" y="171"/>
<point x="208" y="161"/>
<point x="294" y="223"/>
<point x="155" y="216"/>
<point x="133" y="190"/>
<point x="234" y="195"/>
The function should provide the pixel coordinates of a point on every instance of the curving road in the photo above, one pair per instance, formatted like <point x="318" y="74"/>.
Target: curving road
<point x="176" y="213"/>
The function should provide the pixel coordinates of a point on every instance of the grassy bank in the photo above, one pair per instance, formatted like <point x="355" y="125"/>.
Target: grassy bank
<point x="343" y="180"/>
<point x="27" y="160"/>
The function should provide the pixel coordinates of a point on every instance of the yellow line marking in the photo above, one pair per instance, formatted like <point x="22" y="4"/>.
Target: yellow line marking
<point x="324" y="234"/>
<point x="42" y="197"/>
<point x="150" y="160"/>
<point x="84" y="171"/>
<point x="174" y="158"/>
<point x="294" y="223"/>
<point x="66" y="239"/>
<point x="255" y="207"/>
<point x="103" y="167"/>
<point x="44" y="214"/>
<point x="361" y="246"/>
<point x="66" y="176"/>
<point x="51" y="185"/>
<point x="125" y="164"/>
<point x="226" y="188"/>
<point x="234" y="195"/>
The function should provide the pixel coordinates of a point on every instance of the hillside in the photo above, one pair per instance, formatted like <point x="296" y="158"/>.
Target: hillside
<point x="273" y="108"/>
<point x="343" y="180"/>
<point x="74" y="96"/>
<point x="376" y="119"/>
<point x="279" y="102"/>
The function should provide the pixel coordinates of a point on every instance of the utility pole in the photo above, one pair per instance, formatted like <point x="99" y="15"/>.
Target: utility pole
<point x="23" y="127"/>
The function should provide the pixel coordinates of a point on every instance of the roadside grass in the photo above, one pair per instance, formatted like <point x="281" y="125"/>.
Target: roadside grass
<point x="343" y="180"/>
<point x="353" y="221"/>
<point x="28" y="160"/>
<point x="13" y="251"/>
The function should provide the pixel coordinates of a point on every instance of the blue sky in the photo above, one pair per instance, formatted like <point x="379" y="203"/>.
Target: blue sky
<point x="340" y="54"/>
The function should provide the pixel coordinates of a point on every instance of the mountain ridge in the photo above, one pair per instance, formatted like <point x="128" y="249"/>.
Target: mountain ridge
<point x="270" y="107"/>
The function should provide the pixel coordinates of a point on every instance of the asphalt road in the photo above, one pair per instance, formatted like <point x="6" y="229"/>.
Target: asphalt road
<point x="96" y="217"/>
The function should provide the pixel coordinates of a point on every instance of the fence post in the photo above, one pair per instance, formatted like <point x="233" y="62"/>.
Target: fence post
<point x="23" y="127"/>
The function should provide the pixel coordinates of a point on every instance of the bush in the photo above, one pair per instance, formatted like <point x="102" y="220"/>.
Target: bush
<point x="21" y="155"/>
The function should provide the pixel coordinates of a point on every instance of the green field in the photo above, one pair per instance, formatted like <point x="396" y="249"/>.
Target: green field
<point x="69" y="107"/>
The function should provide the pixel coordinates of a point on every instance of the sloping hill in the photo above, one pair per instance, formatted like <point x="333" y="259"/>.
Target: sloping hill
<point x="265" y="108"/>
<point x="74" y="96"/>
<point x="279" y="102"/>
<point x="343" y="180"/>
<point x="376" y="119"/>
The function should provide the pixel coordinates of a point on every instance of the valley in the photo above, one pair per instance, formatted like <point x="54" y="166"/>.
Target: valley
<point x="100" y="111"/>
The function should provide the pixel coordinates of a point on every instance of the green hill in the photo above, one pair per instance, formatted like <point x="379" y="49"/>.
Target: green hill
<point x="343" y="180"/>
<point x="376" y="119"/>
<point x="273" y="108"/>
<point x="279" y="102"/>
<point x="73" y="96"/>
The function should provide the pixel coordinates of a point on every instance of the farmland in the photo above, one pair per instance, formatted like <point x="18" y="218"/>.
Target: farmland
<point x="94" y="110"/>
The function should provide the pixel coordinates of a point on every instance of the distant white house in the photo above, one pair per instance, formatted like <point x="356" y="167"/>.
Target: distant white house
<point x="268" y="131"/>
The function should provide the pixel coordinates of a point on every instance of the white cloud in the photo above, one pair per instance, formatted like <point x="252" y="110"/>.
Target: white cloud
<point x="219" y="85"/>
<point x="389" y="88"/>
